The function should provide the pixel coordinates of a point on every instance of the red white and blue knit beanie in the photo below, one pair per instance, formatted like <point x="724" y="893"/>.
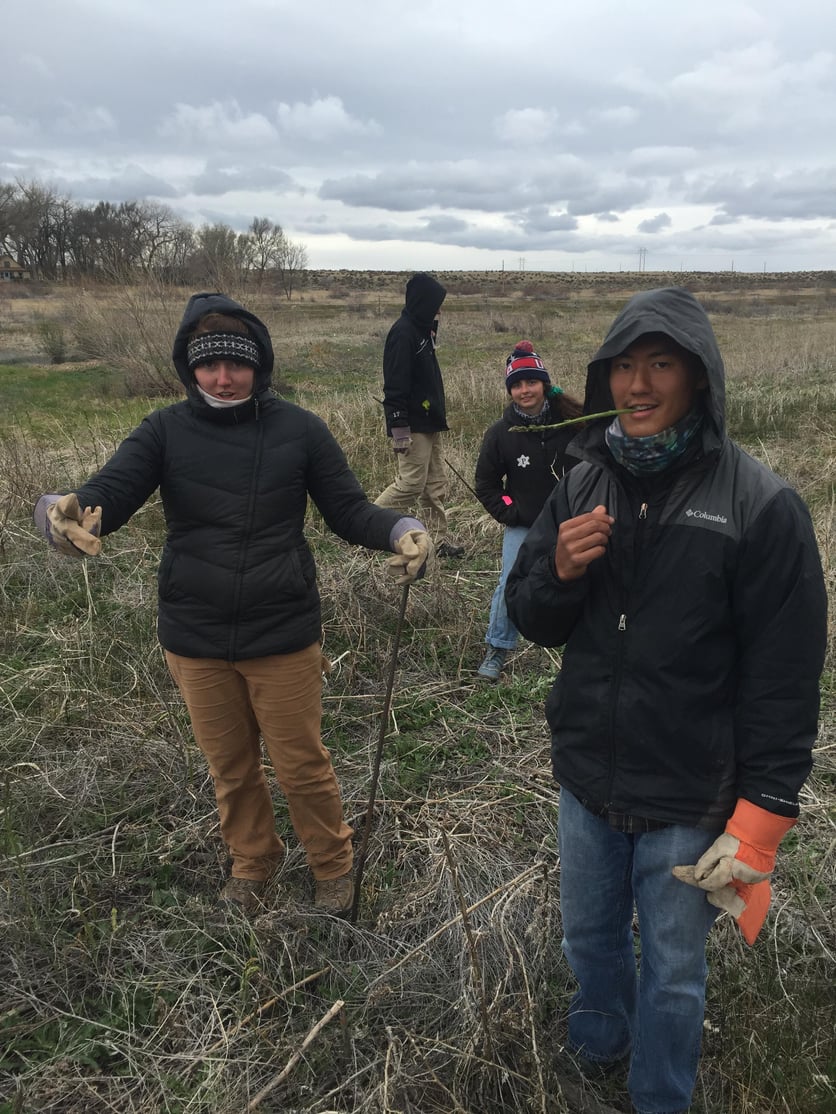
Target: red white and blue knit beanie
<point x="524" y="363"/>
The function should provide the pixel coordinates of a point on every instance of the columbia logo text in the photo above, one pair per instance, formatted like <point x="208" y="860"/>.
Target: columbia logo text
<point x="691" y="513"/>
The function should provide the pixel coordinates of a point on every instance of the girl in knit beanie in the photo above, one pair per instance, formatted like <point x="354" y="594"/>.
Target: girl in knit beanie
<point x="515" y="474"/>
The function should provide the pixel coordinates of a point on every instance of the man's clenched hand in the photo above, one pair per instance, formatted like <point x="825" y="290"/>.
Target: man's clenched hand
<point x="580" y="541"/>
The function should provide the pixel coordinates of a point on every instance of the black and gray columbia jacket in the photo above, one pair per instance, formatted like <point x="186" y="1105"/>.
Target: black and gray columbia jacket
<point x="694" y="646"/>
<point x="413" y="390"/>
<point x="237" y="578"/>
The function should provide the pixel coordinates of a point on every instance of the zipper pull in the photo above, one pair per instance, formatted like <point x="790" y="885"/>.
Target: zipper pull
<point x="643" y="510"/>
<point x="622" y="622"/>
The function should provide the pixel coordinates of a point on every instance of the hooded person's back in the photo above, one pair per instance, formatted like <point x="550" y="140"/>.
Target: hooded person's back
<point x="424" y="296"/>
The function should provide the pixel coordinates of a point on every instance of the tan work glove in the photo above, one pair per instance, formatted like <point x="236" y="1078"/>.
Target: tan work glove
<point x="413" y="552"/>
<point x="69" y="529"/>
<point x="736" y="867"/>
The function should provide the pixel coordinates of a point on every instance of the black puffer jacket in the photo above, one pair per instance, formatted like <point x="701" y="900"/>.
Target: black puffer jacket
<point x="523" y="466"/>
<point x="237" y="578"/>
<point x="695" y="644"/>
<point x="413" y="390"/>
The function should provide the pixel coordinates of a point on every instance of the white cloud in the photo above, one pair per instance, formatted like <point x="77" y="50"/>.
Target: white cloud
<point x="322" y="120"/>
<point x="81" y="120"/>
<point x="218" y="122"/>
<point x="525" y="127"/>
<point x="743" y="87"/>
<point x="36" y="66"/>
<point x="12" y="129"/>
<point x="662" y="160"/>
<point x="622" y="115"/>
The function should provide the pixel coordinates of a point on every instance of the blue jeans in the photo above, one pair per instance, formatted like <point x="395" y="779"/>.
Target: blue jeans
<point x="501" y="631"/>
<point x="651" y="1010"/>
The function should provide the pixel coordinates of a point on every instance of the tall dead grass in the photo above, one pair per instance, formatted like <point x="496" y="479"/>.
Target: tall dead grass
<point x="127" y="989"/>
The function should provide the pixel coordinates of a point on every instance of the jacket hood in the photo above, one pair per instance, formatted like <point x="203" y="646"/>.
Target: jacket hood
<point x="424" y="295"/>
<point x="201" y="304"/>
<point x="676" y="313"/>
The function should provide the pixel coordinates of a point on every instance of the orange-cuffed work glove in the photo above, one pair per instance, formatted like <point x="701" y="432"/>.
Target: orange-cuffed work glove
<point x="413" y="552"/>
<point x="736" y="867"/>
<point x="69" y="529"/>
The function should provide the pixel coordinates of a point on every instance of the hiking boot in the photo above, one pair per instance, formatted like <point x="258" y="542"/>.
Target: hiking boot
<point x="335" y="895"/>
<point x="246" y="894"/>
<point x="449" y="549"/>
<point x="492" y="663"/>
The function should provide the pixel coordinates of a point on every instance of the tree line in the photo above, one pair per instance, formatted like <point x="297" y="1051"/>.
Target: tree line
<point x="56" y="238"/>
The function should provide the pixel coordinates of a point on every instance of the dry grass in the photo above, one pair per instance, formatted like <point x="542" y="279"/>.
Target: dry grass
<point x="127" y="990"/>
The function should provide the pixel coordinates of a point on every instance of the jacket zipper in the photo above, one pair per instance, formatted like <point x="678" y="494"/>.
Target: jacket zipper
<point x="638" y="542"/>
<point x="622" y="619"/>
<point x="245" y="540"/>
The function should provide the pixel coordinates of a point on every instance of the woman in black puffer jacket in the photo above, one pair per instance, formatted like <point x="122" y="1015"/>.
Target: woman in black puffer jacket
<point x="239" y="610"/>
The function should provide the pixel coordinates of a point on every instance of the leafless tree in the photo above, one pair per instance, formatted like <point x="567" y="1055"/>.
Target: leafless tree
<point x="55" y="237"/>
<point x="267" y="241"/>
<point x="291" y="266"/>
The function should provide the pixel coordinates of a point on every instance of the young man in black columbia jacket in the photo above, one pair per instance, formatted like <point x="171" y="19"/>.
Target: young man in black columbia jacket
<point x="685" y="581"/>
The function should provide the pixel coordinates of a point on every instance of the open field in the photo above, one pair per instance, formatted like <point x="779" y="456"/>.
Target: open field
<point x="125" y="989"/>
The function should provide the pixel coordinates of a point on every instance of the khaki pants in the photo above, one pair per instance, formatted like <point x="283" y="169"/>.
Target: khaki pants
<point x="280" y="698"/>
<point x="421" y="483"/>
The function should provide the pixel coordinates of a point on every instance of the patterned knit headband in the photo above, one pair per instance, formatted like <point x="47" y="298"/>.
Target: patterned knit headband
<point x="222" y="346"/>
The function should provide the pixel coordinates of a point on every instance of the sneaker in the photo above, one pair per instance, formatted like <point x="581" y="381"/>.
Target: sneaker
<point x="246" y="894"/>
<point x="449" y="549"/>
<point x="335" y="895"/>
<point x="492" y="663"/>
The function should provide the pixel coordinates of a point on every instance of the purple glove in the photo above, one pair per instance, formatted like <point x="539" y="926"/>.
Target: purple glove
<point x="414" y="548"/>
<point x="401" y="439"/>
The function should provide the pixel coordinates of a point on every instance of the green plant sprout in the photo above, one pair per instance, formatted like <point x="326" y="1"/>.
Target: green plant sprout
<point x="571" y="421"/>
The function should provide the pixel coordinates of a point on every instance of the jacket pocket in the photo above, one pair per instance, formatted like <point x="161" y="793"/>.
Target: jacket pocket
<point x="291" y="576"/>
<point x="164" y="573"/>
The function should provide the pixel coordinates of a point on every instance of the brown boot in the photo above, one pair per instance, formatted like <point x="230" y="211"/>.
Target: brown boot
<point x="246" y="894"/>
<point x="335" y="895"/>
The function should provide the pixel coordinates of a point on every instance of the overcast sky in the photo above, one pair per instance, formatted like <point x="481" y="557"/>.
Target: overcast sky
<point x="448" y="134"/>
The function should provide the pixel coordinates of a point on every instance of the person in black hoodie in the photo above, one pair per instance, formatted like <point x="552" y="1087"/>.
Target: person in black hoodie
<point x="515" y="474"/>
<point x="684" y="579"/>
<point x="239" y="610"/>
<point x="415" y="409"/>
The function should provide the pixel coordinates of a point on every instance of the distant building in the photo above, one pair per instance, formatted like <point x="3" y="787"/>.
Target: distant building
<point x="10" y="271"/>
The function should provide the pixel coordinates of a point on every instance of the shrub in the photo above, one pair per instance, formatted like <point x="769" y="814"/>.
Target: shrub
<point x="53" y="339"/>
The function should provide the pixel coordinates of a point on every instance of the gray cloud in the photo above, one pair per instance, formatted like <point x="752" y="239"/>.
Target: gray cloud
<point x="655" y="224"/>
<point x="128" y="184"/>
<point x="558" y="132"/>
<point x="218" y="180"/>
<point x="800" y="195"/>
